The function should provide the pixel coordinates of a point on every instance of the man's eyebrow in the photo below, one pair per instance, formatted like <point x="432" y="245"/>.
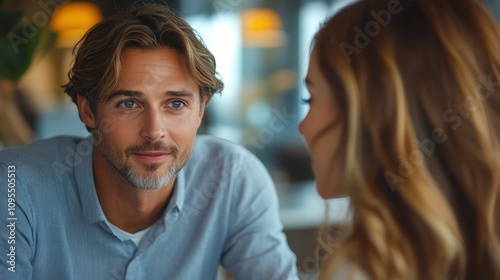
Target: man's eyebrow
<point x="135" y="93"/>
<point x="118" y="93"/>
<point x="180" y="93"/>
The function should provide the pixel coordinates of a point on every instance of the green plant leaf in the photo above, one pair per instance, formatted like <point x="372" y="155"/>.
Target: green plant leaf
<point x="17" y="50"/>
<point x="4" y="3"/>
<point x="19" y="40"/>
<point x="9" y="20"/>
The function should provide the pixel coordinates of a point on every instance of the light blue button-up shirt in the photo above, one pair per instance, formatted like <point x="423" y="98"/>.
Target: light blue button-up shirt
<point x="223" y="210"/>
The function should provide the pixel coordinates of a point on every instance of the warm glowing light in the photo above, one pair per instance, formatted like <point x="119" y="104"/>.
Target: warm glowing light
<point x="262" y="28"/>
<point x="72" y="20"/>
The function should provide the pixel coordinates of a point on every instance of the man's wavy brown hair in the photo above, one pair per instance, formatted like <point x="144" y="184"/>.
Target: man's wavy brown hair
<point x="145" y="26"/>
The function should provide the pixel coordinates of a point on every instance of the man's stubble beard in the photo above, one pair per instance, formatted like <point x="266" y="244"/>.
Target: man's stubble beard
<point x="152" y="180"/>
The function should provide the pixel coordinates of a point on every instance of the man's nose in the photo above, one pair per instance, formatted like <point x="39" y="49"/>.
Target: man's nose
<point x="154" y="125"/>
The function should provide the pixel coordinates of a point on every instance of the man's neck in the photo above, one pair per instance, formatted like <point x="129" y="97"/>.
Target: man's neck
<point x="125" y="206"/>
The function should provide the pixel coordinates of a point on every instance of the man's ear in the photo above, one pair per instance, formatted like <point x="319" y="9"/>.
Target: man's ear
<point x="85" y="112"/>
<point x="204" y="101"/>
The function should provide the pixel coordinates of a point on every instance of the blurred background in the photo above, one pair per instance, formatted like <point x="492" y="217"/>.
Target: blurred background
<point x="261" y="48"/>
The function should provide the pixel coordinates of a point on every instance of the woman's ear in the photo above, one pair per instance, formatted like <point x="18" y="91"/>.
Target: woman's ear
<point x="85" y="111"/>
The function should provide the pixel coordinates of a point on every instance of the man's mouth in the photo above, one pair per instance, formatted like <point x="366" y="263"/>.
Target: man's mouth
<point x="151" y="157"/>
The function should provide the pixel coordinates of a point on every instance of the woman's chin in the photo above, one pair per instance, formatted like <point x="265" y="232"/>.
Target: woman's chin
<point x="323" y="190"/>
<point x="329" y="191"/>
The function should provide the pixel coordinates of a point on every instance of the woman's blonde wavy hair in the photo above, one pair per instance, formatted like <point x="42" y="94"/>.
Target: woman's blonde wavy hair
<point x="420" y="97"/>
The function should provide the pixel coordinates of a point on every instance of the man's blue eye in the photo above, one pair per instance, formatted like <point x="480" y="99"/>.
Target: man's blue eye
<point x="176" y="104"/>
<point x="128" y="104"/>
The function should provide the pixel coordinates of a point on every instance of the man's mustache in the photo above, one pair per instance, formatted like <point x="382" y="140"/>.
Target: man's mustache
<point x="152" y="146"/>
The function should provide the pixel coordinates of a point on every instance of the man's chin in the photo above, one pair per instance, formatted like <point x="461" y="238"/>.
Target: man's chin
<point x="149" y="182"/>
<point x="151" y="168"/>
<point x="152" y="174"/>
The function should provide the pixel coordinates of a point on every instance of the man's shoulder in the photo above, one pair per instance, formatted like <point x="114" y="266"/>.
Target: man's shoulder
<point x="42" y="146"/>
<point x="211" y="153"/>
<point x="40" y="153"/>
<point x="212" y="147"/>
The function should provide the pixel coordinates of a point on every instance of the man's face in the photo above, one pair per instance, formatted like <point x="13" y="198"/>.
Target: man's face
<point x="146" y="129"/>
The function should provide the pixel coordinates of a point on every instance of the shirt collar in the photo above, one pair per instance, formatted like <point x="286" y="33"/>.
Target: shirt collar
<point x="84" y="176"/>
<point x="178" y="195"/>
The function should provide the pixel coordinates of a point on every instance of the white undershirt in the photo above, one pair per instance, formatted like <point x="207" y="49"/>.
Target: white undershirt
<point x="135" y="237"/>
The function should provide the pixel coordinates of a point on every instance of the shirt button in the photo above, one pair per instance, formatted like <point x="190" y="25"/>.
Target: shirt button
<point x="172" y="217"/>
